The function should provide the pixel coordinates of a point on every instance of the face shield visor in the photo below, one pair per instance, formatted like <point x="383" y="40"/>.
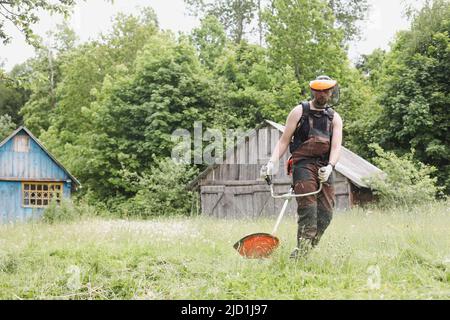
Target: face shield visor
<point x="324" y="86"/>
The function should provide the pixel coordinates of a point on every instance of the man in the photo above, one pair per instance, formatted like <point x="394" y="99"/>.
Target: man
<point x="313" y="133"/>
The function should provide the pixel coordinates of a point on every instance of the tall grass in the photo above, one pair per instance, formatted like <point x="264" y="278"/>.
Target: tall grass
<point x="365" y="254"/>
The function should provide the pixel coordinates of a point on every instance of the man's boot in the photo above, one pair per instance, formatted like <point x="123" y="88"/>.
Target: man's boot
<point x="302" y="249"/>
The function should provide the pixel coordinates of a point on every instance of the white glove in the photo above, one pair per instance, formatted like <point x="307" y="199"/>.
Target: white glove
<point x="267" y="170"/>
<point x="324" y="173"/>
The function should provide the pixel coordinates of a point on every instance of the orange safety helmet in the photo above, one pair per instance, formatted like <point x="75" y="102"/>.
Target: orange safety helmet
<point x="323" y="83"/>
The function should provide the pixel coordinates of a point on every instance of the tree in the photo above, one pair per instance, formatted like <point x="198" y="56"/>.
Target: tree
<point x="209" y="40"/>
<point x="348" y="13"/>
<point x="239" y="17"/>
<point x="7" y="126"/>
<point x="252" y="88"/>
<point x="301" y="34"/>
<point x="235" y="15"/>
<point x="359" y="109"/>
<point x="12" y="95"/>
<point x="371" y="66"/>
<point x="414" y="91"/>
<point x="24" y="14"/>
<point x="135" y="113"/>
<point x="84" y="71"/>
<point x="41" y="76"/>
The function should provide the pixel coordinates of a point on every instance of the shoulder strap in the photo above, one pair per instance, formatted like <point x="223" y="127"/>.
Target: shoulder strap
<point x="305" y="113"/>
<point x="330" y="114"/>
<point x="306" y="108"/>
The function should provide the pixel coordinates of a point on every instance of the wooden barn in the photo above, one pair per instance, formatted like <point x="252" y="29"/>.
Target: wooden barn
<point x="234" y="188"/>
<point x="30" y="177"/>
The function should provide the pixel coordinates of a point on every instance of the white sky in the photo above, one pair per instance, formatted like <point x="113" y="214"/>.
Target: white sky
<point x="94" y="16"/>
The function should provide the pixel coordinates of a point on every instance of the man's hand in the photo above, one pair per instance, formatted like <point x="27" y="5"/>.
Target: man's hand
<point x="324" y="173"/>
<point x="267" y="170"/>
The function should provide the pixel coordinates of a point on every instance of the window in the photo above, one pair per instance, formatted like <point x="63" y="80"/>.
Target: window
<point x="38" y="194"/>
<point x="21" y="143"/>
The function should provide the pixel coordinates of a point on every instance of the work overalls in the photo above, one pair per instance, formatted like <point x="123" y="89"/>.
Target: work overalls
<point x="314" y="212"/>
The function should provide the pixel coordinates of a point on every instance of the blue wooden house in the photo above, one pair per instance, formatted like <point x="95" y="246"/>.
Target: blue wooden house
<point x="30" y="177"/>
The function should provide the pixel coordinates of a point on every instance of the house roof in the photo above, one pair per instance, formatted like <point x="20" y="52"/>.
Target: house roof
<point x="350" y="165"/>
<point x="74" y="180"/>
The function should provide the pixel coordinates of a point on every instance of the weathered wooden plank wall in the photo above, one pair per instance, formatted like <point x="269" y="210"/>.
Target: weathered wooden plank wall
<point x="35" y="164"/>
<point x="250" y="155"/>
<point x="11" y="208"/>
<point x="342" y="191"/>
<point x="10" y="204"/>
<point x="249" y="201"/>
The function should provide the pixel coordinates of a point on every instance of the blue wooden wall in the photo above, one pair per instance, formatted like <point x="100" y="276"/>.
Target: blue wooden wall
<point x="35" y="165"/>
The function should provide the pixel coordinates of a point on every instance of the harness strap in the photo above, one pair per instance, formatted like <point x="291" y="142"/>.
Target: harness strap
<point x="330" y="114"/>
<point x="305" y="114"/>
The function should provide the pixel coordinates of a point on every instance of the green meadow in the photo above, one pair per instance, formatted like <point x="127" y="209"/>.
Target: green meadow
<point x="365" y="254"/>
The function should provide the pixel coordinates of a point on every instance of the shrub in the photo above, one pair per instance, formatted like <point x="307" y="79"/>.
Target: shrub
<point x="161" y="191"/>
<point x="407" y="182"/>
<point x="65" y="211"/>
<point x="68" y="211"/>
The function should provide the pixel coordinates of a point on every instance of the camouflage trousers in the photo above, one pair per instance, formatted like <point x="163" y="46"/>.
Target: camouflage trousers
<point x="314" y="212"/>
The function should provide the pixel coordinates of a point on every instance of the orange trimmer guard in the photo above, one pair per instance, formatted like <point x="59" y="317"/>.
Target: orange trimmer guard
<point x="257" y="245"/>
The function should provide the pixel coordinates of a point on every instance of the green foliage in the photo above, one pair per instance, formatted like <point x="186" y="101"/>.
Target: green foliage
<point x="242" y="18"/>
<point x="68" y="211"/>
<point x="235" y="15"/>
<point x="407" y="182"/>
<point x="371" y="66"/>
<point x="12" y="98"/>
<point x="359" y="110"/>
<point x="414" y="91"/>
<point x="40" y="76"/>
<point x="301" y="34"/>
<point x="64" y="212"/>
<point x="84" y="71"/>
<point x="107" y="108"/>
<point x="348" y="13"/>
<point x="161" y="191"/>
<point x="209" y="40"/>
<point x="24" y="14"/>
<point x="168" y="90"/>
<point x="253" y="88"/>
<point x="7" y="126"/>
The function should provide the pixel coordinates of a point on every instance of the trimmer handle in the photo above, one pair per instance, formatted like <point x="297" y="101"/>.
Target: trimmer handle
<point x="263" y="174"/>
<point x="291" y="193"/>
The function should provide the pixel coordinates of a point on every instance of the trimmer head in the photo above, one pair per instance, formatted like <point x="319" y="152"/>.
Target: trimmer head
<point x="257" y="245"/>
<point x="261" y="245"/>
